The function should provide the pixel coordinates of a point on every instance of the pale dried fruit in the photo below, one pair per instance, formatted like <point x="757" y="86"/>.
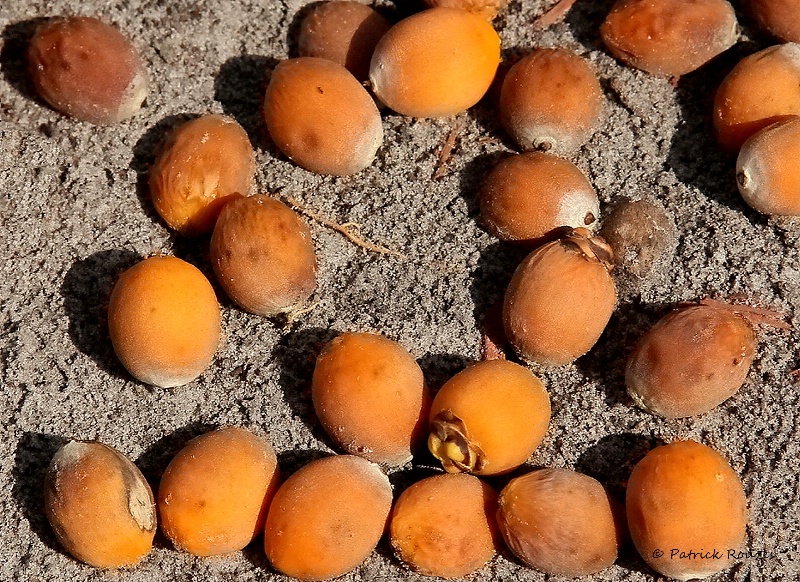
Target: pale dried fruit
<point x="87" y="69"/>
<point x="669" y="37"/>
<point x="370" y="397"/>
<point x="560" y="522"/>
<point x="99" y="505"/>
<point x="205" y="163"/>
<point x="686" y="510"/>
<point x="445" y="525"/>
<point x="435" y="63"/>
<point x="320" y="116"/>
<point x="263" y="255"/>
<point x="551" y="100"/>
<point x="489" y="418"/>
<point x="560" y="299"/>
<point x="767" y="172"/>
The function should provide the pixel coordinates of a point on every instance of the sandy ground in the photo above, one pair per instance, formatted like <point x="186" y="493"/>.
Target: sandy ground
<point x="75" y="212"/>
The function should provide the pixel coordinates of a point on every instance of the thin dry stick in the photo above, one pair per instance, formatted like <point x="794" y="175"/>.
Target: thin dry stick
<point x="447" y="150"/>
<point x="555" y="14"/>
<point x="293" y="316"/>
<point x="752" y="314"/>
<point x="341" y="228"/>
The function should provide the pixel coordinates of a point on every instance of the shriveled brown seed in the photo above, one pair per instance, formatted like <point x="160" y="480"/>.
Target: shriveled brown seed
<point x="560" y="299"/>
<point x="99" y="505"/>
<point x="669" y="37"/>
<point x="692" y="360"/>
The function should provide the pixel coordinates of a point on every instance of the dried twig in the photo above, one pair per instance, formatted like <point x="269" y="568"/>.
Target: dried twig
<point x="752" y="314"/>
<point x="556" y="14"/>
<point x="296" y="314"/>
<point x="447" y="149"/>
<point x="341" y="228"/>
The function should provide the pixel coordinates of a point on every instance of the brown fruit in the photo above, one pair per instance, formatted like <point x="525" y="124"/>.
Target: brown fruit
<point x="435" y="63"/>
<point x="762" y="89"/>
<point x="263" y="255"/>
<point x="327" y="518"/>
<point x="370" y="397"/>
<point x="686" y="510"/>
<point x="488" y="9"/>
<point x="87" y="69"/>
<point x="164" y="321"/>
<point x="778" y="17"/>
<point x="489" y="418"/>
<point x="669" y="37"/>
<point x="214" y="495"/>
<point x="527" y="197"/>
<point x="692" y="360"/>
<point x="99" y="505"/>
<point x="767" y="172"/>
<point x="560" y="299"/>
<point x="343" y="32"/>
<point x="205" y="163"/>
<point x="321" y="117"/>
<point x="551" y="100"/>
<point x="560" y="522"/>
<point x="445" y="525"/>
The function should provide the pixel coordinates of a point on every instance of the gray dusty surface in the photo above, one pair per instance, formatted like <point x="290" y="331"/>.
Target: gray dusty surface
<point x="74" y="212"/>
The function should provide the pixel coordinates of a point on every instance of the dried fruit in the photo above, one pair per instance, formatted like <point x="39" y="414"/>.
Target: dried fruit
<point x="370" y="397"/>
<point x="435" y="63"/>
<point x="527" y="197"/>
<point x="87" y="69"/>
<point x="204" y="164"/>
<point x="766" y="170"/>
<point x="164" y="321"/>
<point x="99" y="505"/>
<point x="686" y="510"/>
<point x="321" y="117"/>
<point x="560" y="299"/>
<point x="263" y="255"/>
<point x="762" y="89"/>
<point x="551" y="100"/>
<point x="779" y="17"/>
<point x="489" y="418"/>
<point x="327" y="518"/>
<point x="560" y="522"/>
<point x="692" y="360"/>
<point x="488" y="9"/>
<point x="445" y="525"/>
<point x="669" y="37"/>
<point x="214" y="495"/>
<point x="343" y="32"/>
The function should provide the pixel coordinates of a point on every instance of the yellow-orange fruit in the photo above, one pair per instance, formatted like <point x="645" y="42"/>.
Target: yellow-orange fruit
<point x="370" y="397"/>
<point x="214" y="495"/>
<point x="489" y="418"/>
<point x="551" y="100"/>
<point x="779" y="17"/>
<point x="686" y="510"/>
<point x="204" y="164"/>
<point x="669" y="37"/>
<point x="692" y="360"/>
<point x="99" y="505"/>
<point x="327" y="518"/>
<point x="560" y="299"/>
<point x="263" y="255"/>
<point x="445" y="525"/>
<point x="164" y="321"/>
<point x="320" y="116"/>
<point x="527" y="197"/>
<point x="762" y="89"/>
<point x="560" y="522"/>
<point x="87" y="69"/>
<point x="435" y="63"/>
<point x="343" y="32"/>
<point x="488" y="9"/>
<point x="767" y="171"/>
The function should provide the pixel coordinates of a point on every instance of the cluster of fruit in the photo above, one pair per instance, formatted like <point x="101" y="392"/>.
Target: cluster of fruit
<point x="368" y="392"/>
